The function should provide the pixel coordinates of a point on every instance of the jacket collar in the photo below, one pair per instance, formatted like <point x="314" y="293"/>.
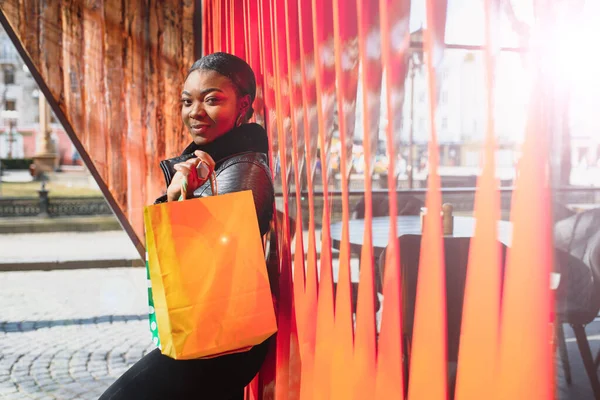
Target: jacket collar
<point x="244" y="138"/>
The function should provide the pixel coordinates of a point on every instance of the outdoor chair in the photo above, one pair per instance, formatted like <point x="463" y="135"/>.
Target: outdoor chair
<point x="407" y="205"/>
<point x="577" y="242"/>
<point x="456" y="251"/>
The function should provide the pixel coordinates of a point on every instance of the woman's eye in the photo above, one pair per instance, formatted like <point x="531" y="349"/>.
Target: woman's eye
<point x="211" y="101"/>
<point x="186" y="102"/>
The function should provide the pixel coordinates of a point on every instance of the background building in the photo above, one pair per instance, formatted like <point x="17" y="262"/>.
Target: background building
<point x="19" y="111"/>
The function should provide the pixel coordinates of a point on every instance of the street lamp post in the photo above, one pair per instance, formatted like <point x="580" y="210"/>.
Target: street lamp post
<point x="415" y="61"/>
<point x="45" y="158"/>
<point x="10" y="116"/>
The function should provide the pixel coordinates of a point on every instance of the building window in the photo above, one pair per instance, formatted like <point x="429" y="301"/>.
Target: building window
<point x="444" y="123"/>
<point x="10" y="105"/>
<point x="421" y="97"/>
<point x="9" y="77"/>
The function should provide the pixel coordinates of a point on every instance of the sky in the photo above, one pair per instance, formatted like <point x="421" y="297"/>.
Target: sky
<point x="458" y="30"/>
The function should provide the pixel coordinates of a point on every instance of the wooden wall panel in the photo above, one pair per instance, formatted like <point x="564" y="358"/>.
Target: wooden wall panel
<point x="116" y="121"/>
<point x="112" y="71"/>
<point x="72" y="49"/>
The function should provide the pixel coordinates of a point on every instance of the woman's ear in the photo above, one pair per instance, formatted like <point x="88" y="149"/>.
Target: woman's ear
<point x="244" y="105"/>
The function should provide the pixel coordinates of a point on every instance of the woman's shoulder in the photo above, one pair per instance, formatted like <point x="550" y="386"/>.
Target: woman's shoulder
<point x="247" y="157"/>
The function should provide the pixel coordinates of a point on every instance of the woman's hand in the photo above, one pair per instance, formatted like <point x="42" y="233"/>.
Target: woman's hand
<point x="196" y="170"/>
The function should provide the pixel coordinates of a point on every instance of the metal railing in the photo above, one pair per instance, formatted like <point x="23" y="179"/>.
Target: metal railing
<point x="53" y="207"/>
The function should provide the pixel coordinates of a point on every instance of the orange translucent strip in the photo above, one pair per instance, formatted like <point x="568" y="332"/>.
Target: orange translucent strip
<point x="253" y="55"/>
<point x="428" y="368"/>
<point x="390" y="373"/>
<point x="365" y="356"/>
<point x="227" y="23"/>
<point x="285" y="280"/>
<point x="267" y="62"/>
<point x="525" y="368"/>
<point x="481" y="310"/>
<point x="307" y="328"/>
<point x="345" y="35"/>
<point x="207" y="26"/>
<point x="293" y="54"/>
<point x="293" y="58"/>
<point x="218" y="29"/>
<point x="322" y="20"/>
<point x="236" y="28"/>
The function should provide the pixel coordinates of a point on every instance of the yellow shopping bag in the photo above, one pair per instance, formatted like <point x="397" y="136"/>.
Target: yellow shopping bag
<point x="210" y="288"/>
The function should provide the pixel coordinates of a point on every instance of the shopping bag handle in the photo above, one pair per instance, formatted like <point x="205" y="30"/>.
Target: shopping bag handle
<point x="213" y="186"/>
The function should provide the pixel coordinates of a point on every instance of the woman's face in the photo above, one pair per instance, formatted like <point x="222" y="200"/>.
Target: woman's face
<point x="210" y="106"/>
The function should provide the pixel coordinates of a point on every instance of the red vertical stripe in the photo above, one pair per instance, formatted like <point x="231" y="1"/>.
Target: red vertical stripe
<point x="285" y="282"/>
<point x="308" y="330"/>
<point x="296" y="121"/>
<point x="428" y="369"/>
<point x="207" y="27"/>
<point x="346" y="57"/>
<point x="365" y="341"/>
<point x="481" y="310"/>
<point x="525" y="332"/>
<point x="395" y="38"/>
<point x="322" y="19"/>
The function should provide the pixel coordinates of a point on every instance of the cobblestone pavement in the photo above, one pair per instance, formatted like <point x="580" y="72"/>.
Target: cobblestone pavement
<point x="69" y="334"/>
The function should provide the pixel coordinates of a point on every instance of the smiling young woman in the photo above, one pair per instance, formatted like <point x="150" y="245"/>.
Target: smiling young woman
<point x="216" y="103"/>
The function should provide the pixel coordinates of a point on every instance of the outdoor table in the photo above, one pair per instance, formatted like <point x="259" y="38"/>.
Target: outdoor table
<point x="411" y="225"/>
<point x="407" y="225"/>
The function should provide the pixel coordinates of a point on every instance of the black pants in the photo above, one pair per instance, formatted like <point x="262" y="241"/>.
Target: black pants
<point x="158" y="377"/>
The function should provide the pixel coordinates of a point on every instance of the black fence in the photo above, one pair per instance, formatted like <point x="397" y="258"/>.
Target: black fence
<point x="53" y="206"/>
<point x="463" y="200"/>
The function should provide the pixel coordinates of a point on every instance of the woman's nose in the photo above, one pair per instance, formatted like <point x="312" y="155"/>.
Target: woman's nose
<point x="197" y="111"/>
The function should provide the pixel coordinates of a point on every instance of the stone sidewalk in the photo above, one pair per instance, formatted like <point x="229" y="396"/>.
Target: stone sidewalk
<point x="54" y="250"/>
<point x="69" y="334"/>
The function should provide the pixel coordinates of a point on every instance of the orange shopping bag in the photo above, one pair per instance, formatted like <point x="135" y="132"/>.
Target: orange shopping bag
<point x="210" y="288"/>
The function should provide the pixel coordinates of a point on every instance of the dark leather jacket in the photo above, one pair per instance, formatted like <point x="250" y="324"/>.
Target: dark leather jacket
<point x="241" y="165"/>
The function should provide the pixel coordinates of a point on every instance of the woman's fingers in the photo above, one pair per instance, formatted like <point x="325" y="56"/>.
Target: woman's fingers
<point x="184" y="168"/>
<point x="205" y="158"/>
<point x="195" y="171"/>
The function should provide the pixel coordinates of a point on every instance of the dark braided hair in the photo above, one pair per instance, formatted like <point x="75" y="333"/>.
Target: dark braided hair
<point x="237" y="70"/>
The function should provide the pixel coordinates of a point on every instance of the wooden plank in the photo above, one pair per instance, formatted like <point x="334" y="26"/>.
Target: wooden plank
<point x="94" y="136"/>
<point x="50" y="62"/>
<point x="187" y="36"/>
<point x="134" y="81"/>
<point x="29" y="28"/>
<point x="155" y="144"/>
<point x="115" y="122"/>
<point x="72" y="48"/>
<point x="171" y="52"/>
<point x="12" y="9"/>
